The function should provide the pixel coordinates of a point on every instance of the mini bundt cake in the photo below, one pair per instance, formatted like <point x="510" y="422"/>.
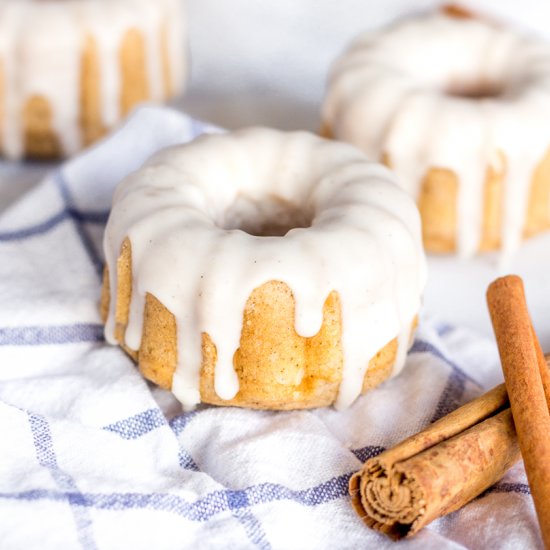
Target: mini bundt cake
<point x="459" y="109"/>
<point x="263" y="269"/>
<point x="69" y="71"/>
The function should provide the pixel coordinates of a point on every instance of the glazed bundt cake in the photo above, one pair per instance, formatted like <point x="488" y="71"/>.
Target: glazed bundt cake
<point x="69" y="71"/>
<point x="263" y="269"/>
<point x="458" y="108"/>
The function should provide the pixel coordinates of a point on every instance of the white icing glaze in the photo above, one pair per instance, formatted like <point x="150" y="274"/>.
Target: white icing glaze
<point x="184" y="213"/>
<point x="11" y="124"/>
<point x="397" y="92"/>
<point x="41" y="45"/>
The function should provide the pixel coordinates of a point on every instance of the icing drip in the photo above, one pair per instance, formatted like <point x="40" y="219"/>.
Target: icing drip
<point x="176" y="37"/>
<point x="348" y="229"/>
<point x="57" y="74"/>
<point x="11" y="124"/>
<point x="448" y="93"/>
<point x="40" y="55"/>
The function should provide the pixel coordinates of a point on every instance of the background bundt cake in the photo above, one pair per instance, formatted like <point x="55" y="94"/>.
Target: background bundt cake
<point x="69" y="71"/>
<point x="458" y="107"/>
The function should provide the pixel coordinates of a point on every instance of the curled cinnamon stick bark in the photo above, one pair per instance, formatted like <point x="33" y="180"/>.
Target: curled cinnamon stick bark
<point x="526" y="378"/>
<point x="438" y="470"/>
<point x="448" y="464"/>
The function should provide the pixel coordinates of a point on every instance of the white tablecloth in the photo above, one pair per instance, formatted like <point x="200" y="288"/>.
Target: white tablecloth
<point x="94" y="457"/>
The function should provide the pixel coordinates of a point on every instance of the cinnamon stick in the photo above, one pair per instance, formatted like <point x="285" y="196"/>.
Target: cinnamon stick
<point x="525" y="379"/>
<point x="443" y="467"/>
<point x="439" y="469"/>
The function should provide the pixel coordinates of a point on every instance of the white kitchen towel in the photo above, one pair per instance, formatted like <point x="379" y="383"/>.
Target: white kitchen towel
<point x="92" y="456"/>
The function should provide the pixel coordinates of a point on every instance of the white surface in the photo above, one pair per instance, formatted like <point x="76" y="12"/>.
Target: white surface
<point x="98" y="459"/>
<point x="266" y="62"/>
<point x="456" y="288"/>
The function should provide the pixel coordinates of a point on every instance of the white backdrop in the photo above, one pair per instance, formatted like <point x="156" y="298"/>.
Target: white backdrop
<point x="265" y="62"/>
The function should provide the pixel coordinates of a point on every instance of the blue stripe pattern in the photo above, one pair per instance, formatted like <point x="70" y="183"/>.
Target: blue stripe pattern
<point x="43" y="444"/>
<point x="46" y="335"/>
<point x="138" y="425"/>
<point x="143" y="423"/>
<point x="93" y="217"/>
<point x="85" y="239"/>
<point x="253" y="528"/>
<point x="202" y="509"/>
<point x="179" y="422"/>
<point x="451" y="398"/>
<point x="218" y="501"/>
<point x="519" y="488"/>
<point x="365" y="453"/>
<point x="452" y="395"/>
<point x="186" y="461"/>
<point x="33" y="230"/>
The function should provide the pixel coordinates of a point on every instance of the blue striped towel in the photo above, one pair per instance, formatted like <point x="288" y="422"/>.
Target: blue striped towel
<point x="92" y="456"/>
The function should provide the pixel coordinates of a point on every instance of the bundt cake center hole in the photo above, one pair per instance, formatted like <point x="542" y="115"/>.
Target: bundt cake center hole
<point x="266" y="217"/>
<point x="475" y="90"/>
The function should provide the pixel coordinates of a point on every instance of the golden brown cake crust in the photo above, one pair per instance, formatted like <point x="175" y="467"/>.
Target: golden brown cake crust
<point x="438" y="207"/>
<point x="438" y="197"/>
<point x="90" y="99"/>
<point x="135" y="87"/>
<point x="277" y="368"/>
<point x="40" y="139"/>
